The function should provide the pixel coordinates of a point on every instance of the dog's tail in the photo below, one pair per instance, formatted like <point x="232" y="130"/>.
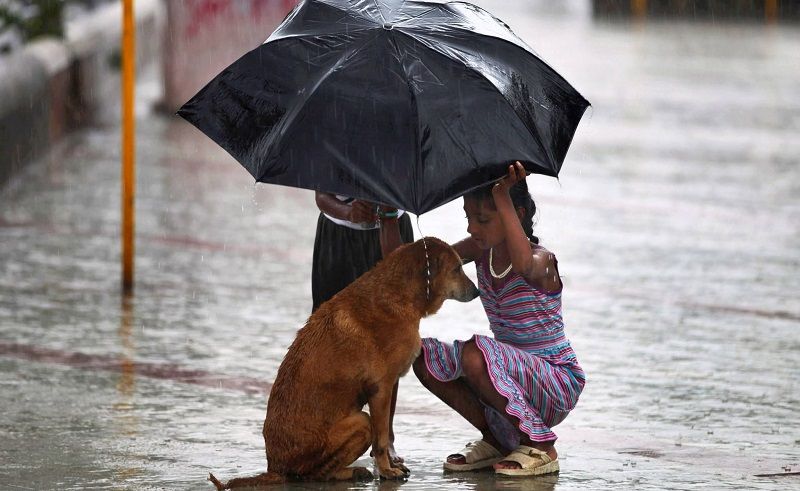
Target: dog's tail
<point x="264" y="479"/>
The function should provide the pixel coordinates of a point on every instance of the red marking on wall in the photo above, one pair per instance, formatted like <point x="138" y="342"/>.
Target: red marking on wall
<point x="118" y="363"/>
<point x="205" y="12"/>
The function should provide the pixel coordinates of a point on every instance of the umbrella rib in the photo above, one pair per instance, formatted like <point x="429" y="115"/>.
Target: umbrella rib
<point x="532" y="131"/>
<point x="379" y="11"/>
<point x="345" y="13"/>
<point x="523" y="46"/>
<point x="415" y="111"/>
<point x="400" y="24"/>
<point x="314" y="35"/>
<point x="301" y="104"/>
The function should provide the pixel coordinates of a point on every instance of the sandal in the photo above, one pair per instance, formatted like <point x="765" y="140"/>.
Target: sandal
<point x="477" y="455"/>
<point x="532" y="462"/>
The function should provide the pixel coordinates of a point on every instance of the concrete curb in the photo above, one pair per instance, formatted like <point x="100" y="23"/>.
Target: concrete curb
<point x="52" y="86"/>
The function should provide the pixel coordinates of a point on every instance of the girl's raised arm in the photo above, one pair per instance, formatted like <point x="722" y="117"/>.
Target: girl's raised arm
<point x="518" y="244"/>
<point x="537" y="266"/>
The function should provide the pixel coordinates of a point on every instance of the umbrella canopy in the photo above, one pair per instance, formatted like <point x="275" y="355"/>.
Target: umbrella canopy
<point x="401" y="102"/>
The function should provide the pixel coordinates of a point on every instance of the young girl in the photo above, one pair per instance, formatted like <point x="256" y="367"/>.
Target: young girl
<point x="515" y="386"/>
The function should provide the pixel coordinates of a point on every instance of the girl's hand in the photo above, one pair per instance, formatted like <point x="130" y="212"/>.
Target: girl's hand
<point x="516" y="173"/>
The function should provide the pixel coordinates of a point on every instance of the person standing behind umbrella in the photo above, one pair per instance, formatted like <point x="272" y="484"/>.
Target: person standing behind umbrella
<point x="347" y="243"/>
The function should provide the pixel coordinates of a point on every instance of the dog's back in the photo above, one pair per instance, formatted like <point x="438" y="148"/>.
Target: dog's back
<point x="316" y="385"/>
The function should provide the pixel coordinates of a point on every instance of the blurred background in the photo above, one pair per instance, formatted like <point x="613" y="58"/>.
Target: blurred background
<point x="675" y="219"/>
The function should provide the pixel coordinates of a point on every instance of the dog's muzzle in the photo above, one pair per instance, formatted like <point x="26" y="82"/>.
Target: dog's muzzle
<point x="469" y="293"/>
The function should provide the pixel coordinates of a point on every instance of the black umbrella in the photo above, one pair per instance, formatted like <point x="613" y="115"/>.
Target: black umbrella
<point x="407" y="103"/>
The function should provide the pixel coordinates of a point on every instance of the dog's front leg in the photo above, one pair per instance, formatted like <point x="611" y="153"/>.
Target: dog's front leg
<point x="380" y="404"/>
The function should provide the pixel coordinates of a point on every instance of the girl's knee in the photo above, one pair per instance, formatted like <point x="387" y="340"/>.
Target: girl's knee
<point x="472" y="363"/>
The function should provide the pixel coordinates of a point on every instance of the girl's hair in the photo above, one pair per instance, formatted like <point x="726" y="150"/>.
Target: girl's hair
<point x="520" y="198"/>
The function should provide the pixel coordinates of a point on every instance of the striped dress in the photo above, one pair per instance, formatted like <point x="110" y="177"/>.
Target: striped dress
<point x="529" y="359"/>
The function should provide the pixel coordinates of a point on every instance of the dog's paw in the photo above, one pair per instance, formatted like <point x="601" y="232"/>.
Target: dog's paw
<point x="402" y="467"/>
<point x="393" y="473"/>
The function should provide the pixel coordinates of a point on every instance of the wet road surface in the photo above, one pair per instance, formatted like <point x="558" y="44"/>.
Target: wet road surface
<point x="676" y="222"/>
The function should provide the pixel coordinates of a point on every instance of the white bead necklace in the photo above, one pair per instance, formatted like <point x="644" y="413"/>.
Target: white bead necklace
<point x="491" y="268"/>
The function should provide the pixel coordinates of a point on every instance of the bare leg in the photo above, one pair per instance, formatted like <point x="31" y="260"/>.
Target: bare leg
<point x="462" y="398"/>
<point x="476" y="375"/>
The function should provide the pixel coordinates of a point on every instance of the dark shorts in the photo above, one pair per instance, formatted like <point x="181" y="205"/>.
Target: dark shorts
<point x="342" y="254"/>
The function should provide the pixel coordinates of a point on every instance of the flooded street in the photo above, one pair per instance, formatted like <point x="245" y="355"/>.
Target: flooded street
<point x="676" y="222"/>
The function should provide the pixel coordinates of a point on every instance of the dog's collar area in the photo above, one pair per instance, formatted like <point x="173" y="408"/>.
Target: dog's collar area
<point x="427" y="272"/>
<point x="427" y="265"/>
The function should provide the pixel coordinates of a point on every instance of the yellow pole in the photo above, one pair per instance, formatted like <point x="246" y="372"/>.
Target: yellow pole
<point x="128" y="133"/>
<point x="771" y="11"/>
<point x="639" y="9"/>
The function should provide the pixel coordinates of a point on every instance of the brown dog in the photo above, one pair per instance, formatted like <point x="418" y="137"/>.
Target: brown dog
<point x="351" y="352"/>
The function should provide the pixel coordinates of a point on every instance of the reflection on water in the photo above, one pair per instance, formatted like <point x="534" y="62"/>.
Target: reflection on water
<point x="477" y="481"/>
<point x="537" y="483"/>
<point x="125" y="415"/>
<point x="127" y="380"/>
